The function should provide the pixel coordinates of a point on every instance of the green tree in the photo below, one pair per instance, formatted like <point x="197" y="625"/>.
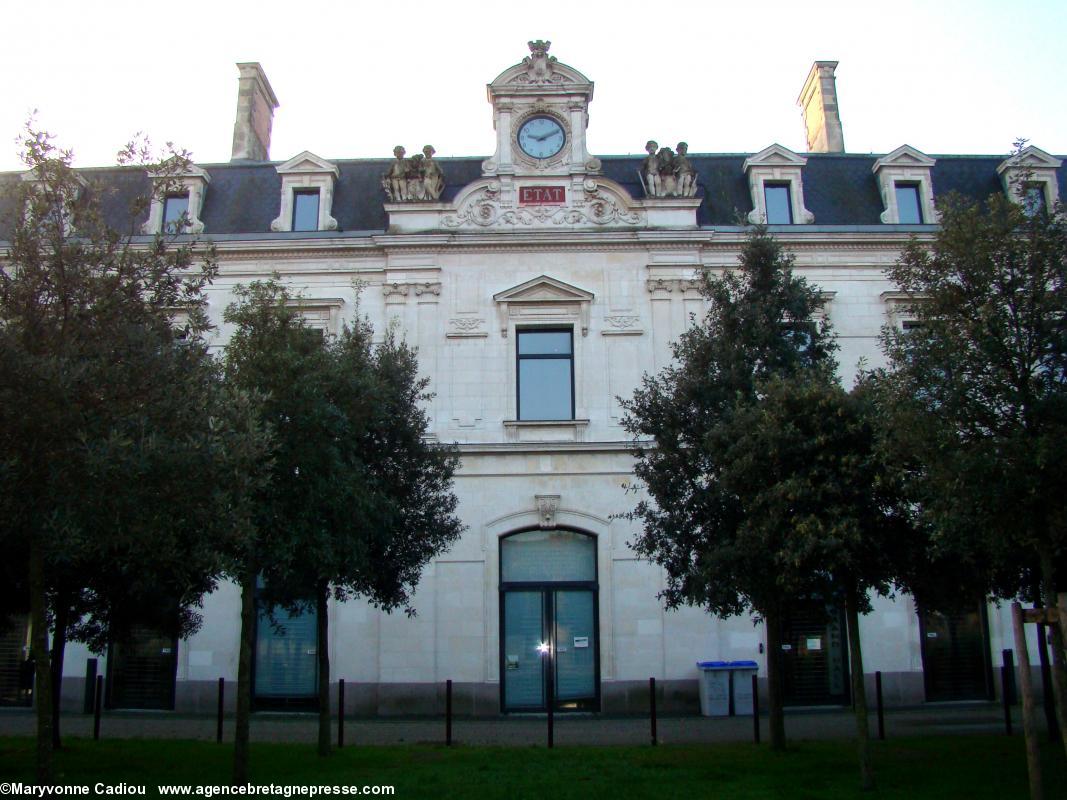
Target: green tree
<point x="107" y="417"/>
<point x="802" y="462"/>
<point x="978" y="390"/>
<point x="358" y="502"/>
<point x="758" y="326"/>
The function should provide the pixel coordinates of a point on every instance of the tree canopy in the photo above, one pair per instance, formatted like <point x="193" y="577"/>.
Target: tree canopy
<point x="358" y="501"/>
<point x="974" y="401"/>
<point x="116" y="434"/>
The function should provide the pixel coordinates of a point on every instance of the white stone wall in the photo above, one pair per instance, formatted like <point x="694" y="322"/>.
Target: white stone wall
<point x="643" y="296"/>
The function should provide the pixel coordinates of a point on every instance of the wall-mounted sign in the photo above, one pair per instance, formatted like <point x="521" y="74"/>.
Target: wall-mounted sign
<point x="815" y="643"/>
<point x="542" y="195"/>
<point x="581" y="641"/>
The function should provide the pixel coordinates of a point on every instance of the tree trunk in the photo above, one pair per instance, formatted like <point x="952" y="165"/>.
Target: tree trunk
<point x="59" y="644"/>
<point x="42" y="673"/>
<point x="244" y="678"/>
<point x="775" y="712"/>
<point x="859" y="690"/>
<point x="1059" y="674"/>
<point x="322" y="647"/>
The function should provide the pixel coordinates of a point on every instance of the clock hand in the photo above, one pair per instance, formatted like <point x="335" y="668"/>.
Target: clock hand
<point x="548" y="135"/>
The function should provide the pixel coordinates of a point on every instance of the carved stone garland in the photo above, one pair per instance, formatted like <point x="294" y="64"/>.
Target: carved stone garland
<point x="596" y="207"/>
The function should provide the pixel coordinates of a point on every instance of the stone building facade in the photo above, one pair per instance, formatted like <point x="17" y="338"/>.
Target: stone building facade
<point x="573" y="272"/>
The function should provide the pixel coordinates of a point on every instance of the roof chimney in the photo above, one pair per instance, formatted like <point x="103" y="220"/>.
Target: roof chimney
<point x="255" y="114"/>
<point x="818" y="105"/>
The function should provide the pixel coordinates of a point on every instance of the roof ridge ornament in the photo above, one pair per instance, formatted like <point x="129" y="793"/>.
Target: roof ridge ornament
<point x="539" y="65"/>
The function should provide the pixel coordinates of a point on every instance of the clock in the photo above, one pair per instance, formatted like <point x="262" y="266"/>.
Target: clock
<point x="541" y="137"/>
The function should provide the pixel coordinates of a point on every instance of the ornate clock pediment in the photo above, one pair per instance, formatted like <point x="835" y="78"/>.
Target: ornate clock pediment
<point x="532" y="183"/>
<point x="540" y="86"/>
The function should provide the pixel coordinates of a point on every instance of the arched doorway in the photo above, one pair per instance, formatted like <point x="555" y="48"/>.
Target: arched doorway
<point x="549" y="626"/>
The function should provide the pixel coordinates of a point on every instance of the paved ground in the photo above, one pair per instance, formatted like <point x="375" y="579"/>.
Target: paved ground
<point x="937" y="719"/>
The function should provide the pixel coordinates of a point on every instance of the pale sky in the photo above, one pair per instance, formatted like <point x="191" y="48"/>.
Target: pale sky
<point x="356" y="78"/>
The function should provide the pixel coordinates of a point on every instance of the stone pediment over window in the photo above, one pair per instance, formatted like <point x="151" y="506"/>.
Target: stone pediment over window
<point x="777" y="166"/>
<point x="906" y="166"/>
<point x="191" y="181"/>
<point x="543" y="300"/>
<point x="305" y="173"/>
<point x="1030" y="168"/>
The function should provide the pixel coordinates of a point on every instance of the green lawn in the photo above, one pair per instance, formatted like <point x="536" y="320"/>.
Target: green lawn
<point x="971" y="767"/>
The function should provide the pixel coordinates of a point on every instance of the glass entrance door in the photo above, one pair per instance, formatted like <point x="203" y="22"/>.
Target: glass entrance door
<point x="549" y="650"/>
<point x="548" y="627"/>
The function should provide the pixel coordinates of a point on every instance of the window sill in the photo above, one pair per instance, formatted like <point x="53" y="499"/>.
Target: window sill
<point x="548" y="430"/>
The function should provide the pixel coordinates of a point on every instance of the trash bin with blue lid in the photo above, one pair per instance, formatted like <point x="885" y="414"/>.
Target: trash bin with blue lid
<point x="726" y="687"/>
<point x="741" y="673"/>
<point x="714" y="688"/>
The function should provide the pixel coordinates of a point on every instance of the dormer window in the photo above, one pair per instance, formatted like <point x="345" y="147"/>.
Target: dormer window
<point x="307" y="194"/>
<point x="1029" y="178"/>
<point x="906" y="185"/>
<point x="779" y="209"/>
<point x="777" y="187"/>
<point x="48" y="200"/>
<point x="175" y="211"/>
<point x="177" y="198"/>
<point x="909" y="207"/>
<point x="1034" y="200"/>
<point x="306" y="210"/>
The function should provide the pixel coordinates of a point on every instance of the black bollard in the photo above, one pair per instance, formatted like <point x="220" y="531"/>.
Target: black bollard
<point x="97" y="705"/>
<point x="755" y="708"/>
<point x="881" y="705"/>
<point x="652" y="709"/>
<point x="1008" y="657"/>
<point x="89" y="701"/>
<point x="1005" y="699"/>
<point x="341" y="713"/>
<point x="448" y="713"/>
<point x="220" y="715"/>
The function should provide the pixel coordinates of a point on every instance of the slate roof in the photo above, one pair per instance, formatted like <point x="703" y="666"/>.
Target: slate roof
<point x="242" y="198"/>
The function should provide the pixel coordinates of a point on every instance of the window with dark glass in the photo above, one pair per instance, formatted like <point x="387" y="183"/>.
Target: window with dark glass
<point x="545" y="374"/>
<point x="175" y="207"/>
<point x="779" y="209"/>
<point x="306" y="210"/>
<point x="909" y="212"/>
<point x="1034" y="199"/>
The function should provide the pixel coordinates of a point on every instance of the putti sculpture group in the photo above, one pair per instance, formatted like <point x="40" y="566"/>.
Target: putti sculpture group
<point x="666" y="172"/>
<point x="413" y="180"/>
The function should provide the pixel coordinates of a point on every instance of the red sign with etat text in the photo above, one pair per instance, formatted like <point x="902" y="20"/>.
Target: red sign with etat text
<point x="542" y="195"/>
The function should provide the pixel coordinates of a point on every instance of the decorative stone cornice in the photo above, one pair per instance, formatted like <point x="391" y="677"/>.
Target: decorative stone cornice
<point x="669" y="285"/>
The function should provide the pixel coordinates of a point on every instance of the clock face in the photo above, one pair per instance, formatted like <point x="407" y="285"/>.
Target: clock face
<point x="541" y="137"/>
